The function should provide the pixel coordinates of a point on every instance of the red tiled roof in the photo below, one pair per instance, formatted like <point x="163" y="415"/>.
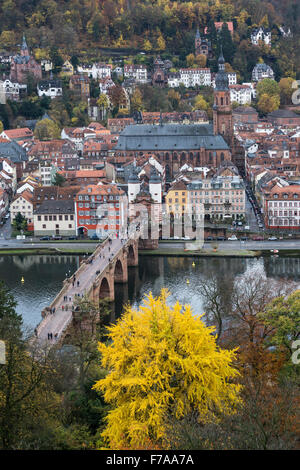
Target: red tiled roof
<point x="101" y="189"/>
<point x="21" y="132"/>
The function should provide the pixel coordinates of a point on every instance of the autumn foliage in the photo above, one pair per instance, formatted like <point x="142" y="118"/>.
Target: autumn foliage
<point x="162" y="360"/>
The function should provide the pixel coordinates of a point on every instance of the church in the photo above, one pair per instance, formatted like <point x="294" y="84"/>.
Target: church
<point x="176" y="144"/>
<point x="24" y="64"/>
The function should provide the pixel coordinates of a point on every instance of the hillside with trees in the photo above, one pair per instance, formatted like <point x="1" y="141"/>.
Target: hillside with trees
<point x="89" y="28"/>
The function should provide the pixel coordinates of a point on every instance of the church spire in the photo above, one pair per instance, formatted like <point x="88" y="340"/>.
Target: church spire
<point x="221" y="60"/>
<point x="24" y="47"/>
<point x="222" y="82"/>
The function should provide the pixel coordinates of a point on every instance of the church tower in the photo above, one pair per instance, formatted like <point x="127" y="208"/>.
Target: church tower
<point x="222" y="110"/>
<point x="24" y="47"/>
<point x="197" y="43"/>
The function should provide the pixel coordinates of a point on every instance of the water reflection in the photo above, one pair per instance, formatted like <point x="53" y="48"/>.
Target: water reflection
<point x="44" y="274"/>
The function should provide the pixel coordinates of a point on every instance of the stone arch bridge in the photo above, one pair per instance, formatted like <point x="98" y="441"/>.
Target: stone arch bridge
<point x="95" y="279"/>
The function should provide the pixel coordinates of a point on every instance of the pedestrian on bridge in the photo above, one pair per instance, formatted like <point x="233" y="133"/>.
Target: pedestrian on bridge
<point x="78" y="283"/>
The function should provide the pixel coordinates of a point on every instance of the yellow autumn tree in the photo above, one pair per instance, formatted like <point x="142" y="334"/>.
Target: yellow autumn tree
<point x="162" y="361"/>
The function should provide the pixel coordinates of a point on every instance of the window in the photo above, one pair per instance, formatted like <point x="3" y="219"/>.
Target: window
<point x="44" y="225"/>
<point x="39" y="218"/>
<point x="66" y="217"/>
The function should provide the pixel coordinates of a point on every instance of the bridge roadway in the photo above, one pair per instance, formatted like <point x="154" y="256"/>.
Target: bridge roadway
<point x="57" y="322"/>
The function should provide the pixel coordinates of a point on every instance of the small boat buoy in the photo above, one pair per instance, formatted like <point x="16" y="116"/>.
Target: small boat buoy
<point x="22" y="279"/>
<point x="187" y="281"/>
<point x="193" y="264"/>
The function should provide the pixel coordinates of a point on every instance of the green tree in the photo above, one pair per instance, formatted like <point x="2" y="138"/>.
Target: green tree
<point x="58" y="180"/>
<point x="162" y="360"/>
<point x="20" y="222"/>
<point x="266" y="103"/>
<point x="174" y="98"/>
<point x="286" y="90"/>
<point x="26" y="399"/>
<point x="268" y="87"/>
<point x="282" y="316"/>
<point x="190" y="60"/>
<point x="136" y="100"/>
<point x="46" y="129"/>
<point x="227" y="43"/>
<point x="147" y="46"/>
<point x="200" y="103"/>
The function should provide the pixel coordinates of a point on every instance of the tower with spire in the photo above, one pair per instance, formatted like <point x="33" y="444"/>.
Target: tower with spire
<point x="202" y="45"/>
<point x="24" y="64"/>
<point x="24" y="47"/>
<point x="222" y="110"/>
<point x="197" y="42"/>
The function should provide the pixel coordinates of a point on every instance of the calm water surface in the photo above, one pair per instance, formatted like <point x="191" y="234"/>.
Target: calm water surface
<point x="43" y="276"/>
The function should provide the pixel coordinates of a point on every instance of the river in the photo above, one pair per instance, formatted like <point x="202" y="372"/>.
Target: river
<point x="43" y="276"/>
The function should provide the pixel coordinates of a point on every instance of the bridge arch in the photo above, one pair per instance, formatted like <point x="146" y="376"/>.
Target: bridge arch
<point x="104" y="289"/>
<point x="132" y="255"/>
<point x="120" y="271"/>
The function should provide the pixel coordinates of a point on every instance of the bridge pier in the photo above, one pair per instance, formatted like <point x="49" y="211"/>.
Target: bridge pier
<point x="132" y="254"/>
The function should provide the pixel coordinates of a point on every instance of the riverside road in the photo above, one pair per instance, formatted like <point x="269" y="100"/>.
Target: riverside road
<point x="227" y="245"/>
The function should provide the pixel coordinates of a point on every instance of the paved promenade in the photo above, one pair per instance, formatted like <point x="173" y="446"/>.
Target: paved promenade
<point x="55" y="323"/>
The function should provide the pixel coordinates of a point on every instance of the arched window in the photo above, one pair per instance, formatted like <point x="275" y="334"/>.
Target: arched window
<point x="222" y="101"/>
<point x="222" y="156"/>
<point x="210" y="157"/>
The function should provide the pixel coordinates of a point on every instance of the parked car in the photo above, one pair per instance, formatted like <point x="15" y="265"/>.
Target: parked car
<point x="57" y="237"/>
<point x="94" y="237"/>
<point x="45" y="238"/>
<point x="272" y="239"/>
<point x="233" y="238"/>
<point x="73" y="238"/>
<point x="221" y="238"/>
<point x="245" y="239"/>
<point x="258" y="238"/>
<point x="209" y="239"/>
